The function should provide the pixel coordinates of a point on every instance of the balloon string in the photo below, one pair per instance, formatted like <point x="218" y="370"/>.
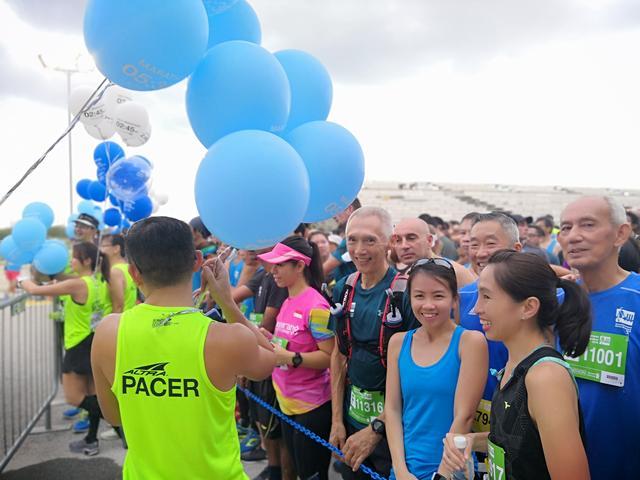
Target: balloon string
<point x="88" y="104"/>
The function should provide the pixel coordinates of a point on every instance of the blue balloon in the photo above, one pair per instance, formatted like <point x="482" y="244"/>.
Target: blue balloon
<point x="138" y="209"/>
<point x="112" y="217"/>
<point x="311" y="88"/>
<point x="98" y="215"/>
<point x="13" y="254"/>
<point x="98" y="191"/>
<point x="129" y="178"/>
<point x="7" y="246"/>
<point x="52" y="258"/>
<point x="101" y="174"/>
<point x="29" y="233"/>
<point x="125" y="224"/>
<point x="335" y="163"/>
<point x="82" y="188"/>
<point x="41" y="211"/>
<point x="70" y="230"/>
<point x="106" y="154"/>
<point x="87" y="206"/>
<point x="218" y="6"/>
<point x="144" y="45"/>
<point x="237" y="86"/>
<point x="240" y="22"/>
<point x="272" y="200"/>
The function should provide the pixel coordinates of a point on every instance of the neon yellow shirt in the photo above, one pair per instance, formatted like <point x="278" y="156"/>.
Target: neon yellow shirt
<point x="178" y="424"/>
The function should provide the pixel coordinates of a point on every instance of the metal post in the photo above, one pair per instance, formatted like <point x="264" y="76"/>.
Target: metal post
<point x="70" y="116"/>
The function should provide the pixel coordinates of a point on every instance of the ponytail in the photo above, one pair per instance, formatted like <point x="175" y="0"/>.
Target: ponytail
<point x="314" y="273"/>
<point x="573" y="324"/>
<point x="105" y="266"/>
<point x="525" y="275"/>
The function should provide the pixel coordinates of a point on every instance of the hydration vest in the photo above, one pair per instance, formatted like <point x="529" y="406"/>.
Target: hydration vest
<point x="391" y="321"/>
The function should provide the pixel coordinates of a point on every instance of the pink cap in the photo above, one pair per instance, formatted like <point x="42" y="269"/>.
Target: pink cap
<point x="281" y="253"/>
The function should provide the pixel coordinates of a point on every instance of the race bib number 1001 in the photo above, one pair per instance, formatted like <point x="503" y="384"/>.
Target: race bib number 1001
<point x="604" y="360"/>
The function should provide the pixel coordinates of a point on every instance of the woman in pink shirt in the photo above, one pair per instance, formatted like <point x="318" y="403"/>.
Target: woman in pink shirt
<point x="303" y="344"/>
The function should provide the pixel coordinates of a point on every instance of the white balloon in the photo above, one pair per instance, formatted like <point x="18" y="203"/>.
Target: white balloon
<point x="132" y="123"/>
<point x="162" y="198"/>
<point x="116" y="95"/>
<point x="93" y="115"/>
<point x="102" y="131"/>
<point x="137" y="138"/>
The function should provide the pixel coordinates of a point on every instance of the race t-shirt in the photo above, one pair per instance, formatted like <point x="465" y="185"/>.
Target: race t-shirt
<point x="608" y="376"/>
<point x="301" y="324"/>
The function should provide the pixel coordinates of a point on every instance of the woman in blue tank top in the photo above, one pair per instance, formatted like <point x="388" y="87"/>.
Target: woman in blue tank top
<point x="435" y="376"/>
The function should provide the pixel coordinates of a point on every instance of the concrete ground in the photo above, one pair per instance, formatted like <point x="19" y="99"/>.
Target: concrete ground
<point x="46" y="456"/>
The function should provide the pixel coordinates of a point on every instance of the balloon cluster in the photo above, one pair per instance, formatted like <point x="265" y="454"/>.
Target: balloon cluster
<point x="125" y="182"/>
<point x="114" y="112"/>
<point x="273" y="160"/>
<point x="28" y="242"/>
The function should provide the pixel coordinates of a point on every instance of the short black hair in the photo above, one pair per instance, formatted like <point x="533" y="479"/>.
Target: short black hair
<point x="162" y="250"/>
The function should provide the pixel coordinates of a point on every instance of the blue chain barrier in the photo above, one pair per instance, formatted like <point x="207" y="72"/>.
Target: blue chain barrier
<point x="306" y="431"/>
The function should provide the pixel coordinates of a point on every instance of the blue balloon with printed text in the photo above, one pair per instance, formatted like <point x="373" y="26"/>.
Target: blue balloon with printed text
<point x="144" y="45"/>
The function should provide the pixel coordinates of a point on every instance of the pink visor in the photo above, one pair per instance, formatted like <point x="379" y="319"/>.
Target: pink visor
<point x="281" y="253"/>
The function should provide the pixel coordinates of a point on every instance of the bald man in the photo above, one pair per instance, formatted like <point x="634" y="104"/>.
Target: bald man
<point x="412" y="241"/>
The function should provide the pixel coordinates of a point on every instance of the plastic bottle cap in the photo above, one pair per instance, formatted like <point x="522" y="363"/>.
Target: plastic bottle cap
<point x="460" y="442"/>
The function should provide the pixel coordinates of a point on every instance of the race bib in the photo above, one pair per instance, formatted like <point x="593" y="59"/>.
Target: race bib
<point x="604" y="360"/>
<point x="256" y="318"/>
<point x="364" y="405"/>
<point x="280" y="341"/>
<point x="496" y="462"/>
<point x="483" y="414"/>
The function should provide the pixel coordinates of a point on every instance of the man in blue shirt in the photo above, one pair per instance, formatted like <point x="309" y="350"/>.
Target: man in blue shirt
<point x="592" y="231"/>
<point x="490" y="232"/>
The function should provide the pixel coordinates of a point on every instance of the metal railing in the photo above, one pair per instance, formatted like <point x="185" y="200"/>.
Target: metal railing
<point x="30" y="363"/>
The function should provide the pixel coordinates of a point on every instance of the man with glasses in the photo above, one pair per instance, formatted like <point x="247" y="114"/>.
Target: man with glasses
<point x="358" y="363"/>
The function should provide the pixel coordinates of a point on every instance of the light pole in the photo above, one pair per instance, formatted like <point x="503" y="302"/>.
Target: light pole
<point x="68" y="72"/>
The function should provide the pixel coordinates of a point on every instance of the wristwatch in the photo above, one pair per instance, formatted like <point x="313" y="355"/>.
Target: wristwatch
<point x="296" y="360"/>
<point x="437" y="476"/>
<point x="377" y="426"/>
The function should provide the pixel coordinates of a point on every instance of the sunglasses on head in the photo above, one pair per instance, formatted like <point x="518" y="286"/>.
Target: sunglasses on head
<point x="442" y="262"/>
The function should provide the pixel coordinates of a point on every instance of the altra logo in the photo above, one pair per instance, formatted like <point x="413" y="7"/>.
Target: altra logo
<point x="154" y="370"/>
<point x="624" y="319"/>
<point x="136" y="381"/>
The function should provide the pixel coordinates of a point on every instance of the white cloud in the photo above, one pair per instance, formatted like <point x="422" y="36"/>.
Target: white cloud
<point x="501" y="91"/>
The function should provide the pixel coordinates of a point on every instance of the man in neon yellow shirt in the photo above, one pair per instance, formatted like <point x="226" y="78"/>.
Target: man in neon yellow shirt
<point x="166" y="372"/>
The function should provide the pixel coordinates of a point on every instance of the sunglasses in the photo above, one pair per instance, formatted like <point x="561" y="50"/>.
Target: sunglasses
<point x="423" y="262"/>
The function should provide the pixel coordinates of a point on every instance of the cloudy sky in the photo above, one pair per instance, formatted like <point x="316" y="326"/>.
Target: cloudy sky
<point x="485" y="91"/>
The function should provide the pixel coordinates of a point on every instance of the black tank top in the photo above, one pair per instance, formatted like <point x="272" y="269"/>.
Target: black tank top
<point x="512" y="427"/>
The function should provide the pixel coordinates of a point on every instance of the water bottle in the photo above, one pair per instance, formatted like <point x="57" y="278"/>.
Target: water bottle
<point x="466" y="474"/>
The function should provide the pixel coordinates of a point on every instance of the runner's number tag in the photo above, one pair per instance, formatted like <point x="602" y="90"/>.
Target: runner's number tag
<point x="604" y="360"/>
<point x="364" y="405"/>
<point x="483" y="415"/>
<point x="496" y="462"/>
<point x="256" y="318"/>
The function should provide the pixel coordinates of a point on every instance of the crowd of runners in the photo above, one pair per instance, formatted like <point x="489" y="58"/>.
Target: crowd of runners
<point x="493" y="345"/>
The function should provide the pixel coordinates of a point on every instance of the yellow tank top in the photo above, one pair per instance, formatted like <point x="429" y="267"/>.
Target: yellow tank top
<point x="79" y="319"/>
<point x="178" y="424"/>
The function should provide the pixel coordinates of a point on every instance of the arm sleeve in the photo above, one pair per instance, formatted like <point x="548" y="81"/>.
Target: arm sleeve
<point x="319" y="323"/>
